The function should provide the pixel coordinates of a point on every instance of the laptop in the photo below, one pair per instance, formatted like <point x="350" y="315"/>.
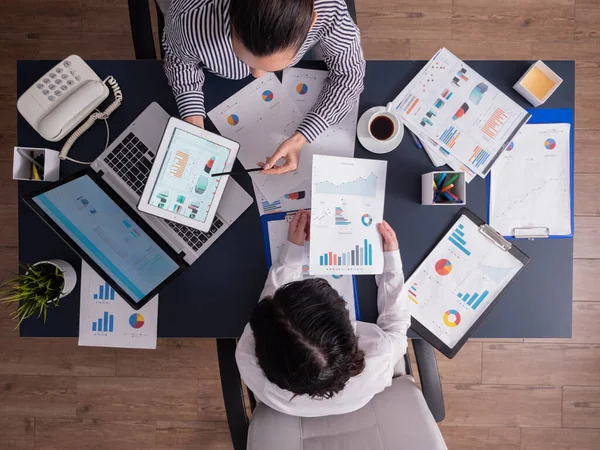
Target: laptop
<point x="125" y="166"/>
<point x="95" y="213"/>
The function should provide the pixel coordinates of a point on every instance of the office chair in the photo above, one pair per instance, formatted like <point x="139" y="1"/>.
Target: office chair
<point x="400" y="417"/>
<point x="141" y="25"/>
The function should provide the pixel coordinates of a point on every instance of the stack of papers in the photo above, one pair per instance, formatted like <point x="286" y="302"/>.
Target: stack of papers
<point x="460" y="117"/>
<point x="265" y="113"/>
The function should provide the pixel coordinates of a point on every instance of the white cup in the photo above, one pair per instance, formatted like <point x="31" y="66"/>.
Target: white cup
<point x="389" y="114"/>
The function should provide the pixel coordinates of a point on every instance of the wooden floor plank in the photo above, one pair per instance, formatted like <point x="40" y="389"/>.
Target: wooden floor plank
<point x="16" y="433"/>
<point x="502" y="406"/>
<point x="587" y="95"/>
<point x="173" y="435"/>
<point x="586" y="242"/>
<point x="64" y="434"/>
<point x="211" y="407"/>
<point x="482" y="20"/>
<point x="37" y="396"/>
<point x="386" y="48"/>
<point x="173" y="358"/>
<point x="587" y="14"/>
<point x="586" y="316"/>
<point x="587" y="195"/>
<point x="465" y="367"/>
<point x="134" y="398"/>
<point x="559" y="439"/>
<point x="581" y="407"/>
<point x="470" y="49"/>
<point x="586" y="154"/>
<point x="481" y="438"/>
<point x="541" y="364"/>
<point x="55" y="357"/>
<point x="585" y="280"/>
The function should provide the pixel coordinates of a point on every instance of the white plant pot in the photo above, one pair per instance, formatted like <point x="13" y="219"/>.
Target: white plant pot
<point x="68" y="272"/>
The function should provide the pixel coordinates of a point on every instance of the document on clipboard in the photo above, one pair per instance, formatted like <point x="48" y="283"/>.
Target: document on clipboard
<point x="459" y="282"/>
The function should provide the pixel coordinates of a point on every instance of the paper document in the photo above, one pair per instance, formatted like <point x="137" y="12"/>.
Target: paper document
<point x="106" y="320"/>
<point x="304" y="87"/>
<point x="260" y="117"/>
<point x="461" y="111"/>
<point x="347" y="204"/>
<point x="531" y="182"/>
<point x="458" y="281"/>
<point x="343" y="284"/>
<point x="298" y="198"/>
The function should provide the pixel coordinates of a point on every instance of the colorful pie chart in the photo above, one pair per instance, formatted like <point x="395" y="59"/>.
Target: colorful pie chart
<point x="366" y="220"/>
<point x="451" y="318"/>
<point x="443" y="267"/>
<point x="233" y="120"/>
<point x="510" y="146"/>
<point x="136" y="320"/>
<point x="267" y="96"/>
<point x="302" y="89"/>
<point x="337" y="277"/>
<point x="550" y="144"/>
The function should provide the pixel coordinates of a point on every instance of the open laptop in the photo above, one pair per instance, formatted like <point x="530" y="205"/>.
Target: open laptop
<point x="125" y="166"/>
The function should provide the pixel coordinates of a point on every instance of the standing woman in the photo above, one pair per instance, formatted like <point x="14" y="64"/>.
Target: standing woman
<point x="236" y="38"/>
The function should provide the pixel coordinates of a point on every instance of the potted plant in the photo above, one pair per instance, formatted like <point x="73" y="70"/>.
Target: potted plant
<point x="40" y="286"/>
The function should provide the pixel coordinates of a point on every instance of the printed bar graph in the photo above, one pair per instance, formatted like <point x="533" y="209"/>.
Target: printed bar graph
<point x="473" y="300"/>
<point x="181" y="160"/>
<point x="361" y="255"/>
<point x="105" y="324"/>
<point x="340" y="220"/>
<point x="105" y="292"/>
<point x="457" y="238"/>
<point x="494" y="123"/>
<point x="412" y="293"/>
<point x="479" y="156"/>
<point x="449" y="136"/>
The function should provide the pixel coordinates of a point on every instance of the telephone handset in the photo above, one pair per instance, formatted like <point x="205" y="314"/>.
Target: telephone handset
<point x="64" y="97"/>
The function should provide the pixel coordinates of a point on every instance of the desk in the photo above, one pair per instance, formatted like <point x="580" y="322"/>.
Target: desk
<point x="215" y="296"/>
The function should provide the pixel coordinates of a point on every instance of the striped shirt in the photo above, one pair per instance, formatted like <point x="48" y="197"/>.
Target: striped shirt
<point x="197" y="37"/>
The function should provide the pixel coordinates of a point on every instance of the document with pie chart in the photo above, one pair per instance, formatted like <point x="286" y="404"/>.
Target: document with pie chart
<point x="458" y="281"/>
<point x="347" y="204"/>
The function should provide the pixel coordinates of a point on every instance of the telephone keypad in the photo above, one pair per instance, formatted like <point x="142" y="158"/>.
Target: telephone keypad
<point x="58" y="81"/>
<point x="52" y="98"/>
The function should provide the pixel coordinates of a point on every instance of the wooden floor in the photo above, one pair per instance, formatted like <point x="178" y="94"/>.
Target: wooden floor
<point x="514" y="394"/>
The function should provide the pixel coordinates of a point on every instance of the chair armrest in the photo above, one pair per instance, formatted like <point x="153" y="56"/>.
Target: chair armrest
<point x="233" y="394"/>
<point x="430" y="378"/>
<point x="141" y="29"/>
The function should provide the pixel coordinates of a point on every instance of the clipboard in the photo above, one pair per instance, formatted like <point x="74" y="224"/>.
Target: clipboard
<point x="459" y="308"/>
<point x="288" y="216"/>
<point x="546" y="116"/>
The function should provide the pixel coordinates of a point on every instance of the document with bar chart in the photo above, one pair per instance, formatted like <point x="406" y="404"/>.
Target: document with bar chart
<point x="461" y="111"/>
<point x="106" y="320"/>
<point x="347" y="204"/>
<point x="459" y="280"/>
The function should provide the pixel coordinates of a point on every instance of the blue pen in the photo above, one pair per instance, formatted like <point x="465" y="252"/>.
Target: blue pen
<point x="449" y="197"/>
<point x="416" y="140"/>
<point x="440" y="180"/>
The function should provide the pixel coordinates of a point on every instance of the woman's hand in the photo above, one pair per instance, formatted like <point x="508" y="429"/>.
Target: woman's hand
<point x="195" y="120"/>
<point x="390" y="243"/>
<point x="289" y="150"/>
<point x="299" y="230"/>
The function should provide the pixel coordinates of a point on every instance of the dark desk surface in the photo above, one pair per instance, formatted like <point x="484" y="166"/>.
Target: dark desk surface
<point x="215" y="296"/>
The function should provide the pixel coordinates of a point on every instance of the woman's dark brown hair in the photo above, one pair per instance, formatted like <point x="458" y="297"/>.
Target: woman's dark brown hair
<point x="305" y="342"/>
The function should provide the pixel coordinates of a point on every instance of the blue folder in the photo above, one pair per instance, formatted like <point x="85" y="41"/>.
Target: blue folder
<point x="548" y="115"/>
<point x="265" y="219"/>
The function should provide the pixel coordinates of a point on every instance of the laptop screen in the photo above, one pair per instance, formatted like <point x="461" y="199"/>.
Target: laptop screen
<point x="108" y="236"/>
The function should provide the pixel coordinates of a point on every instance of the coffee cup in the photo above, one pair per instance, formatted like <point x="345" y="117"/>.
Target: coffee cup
<point x="384" y="126"/>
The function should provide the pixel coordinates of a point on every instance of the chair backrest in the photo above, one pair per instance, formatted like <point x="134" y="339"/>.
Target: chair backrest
<point x="397" y="418"/>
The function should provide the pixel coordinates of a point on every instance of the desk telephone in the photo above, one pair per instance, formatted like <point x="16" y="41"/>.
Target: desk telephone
<point x="64" y="97"/>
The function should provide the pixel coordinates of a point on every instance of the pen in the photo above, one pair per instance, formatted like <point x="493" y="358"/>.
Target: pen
<point x="441" y="179"/>
<point x="416" y="140"/>
<point x="447" y="188"/>
<point x="453" y="179"/>
<point x="236" y="171"/>
<point x="450" y="197"/>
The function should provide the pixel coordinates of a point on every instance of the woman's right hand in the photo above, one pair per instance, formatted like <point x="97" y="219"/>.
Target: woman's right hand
<point x="390" y="242"/>
<point x="195" y="120"/>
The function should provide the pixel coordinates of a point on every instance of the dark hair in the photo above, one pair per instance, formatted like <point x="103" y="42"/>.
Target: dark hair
<point x="268" y="26"/>
<point x="305" y="342"/>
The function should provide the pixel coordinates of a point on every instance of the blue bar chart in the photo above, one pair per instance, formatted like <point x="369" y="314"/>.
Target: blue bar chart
<point x="360" y="255"/>
<point x="458" y="239"/>
<point x="104" y="324"/>
<point x="105" y="292"/>
<point x="473" y="300"/>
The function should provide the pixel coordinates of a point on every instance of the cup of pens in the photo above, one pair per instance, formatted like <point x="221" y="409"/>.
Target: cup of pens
<point x="443" y="188"/>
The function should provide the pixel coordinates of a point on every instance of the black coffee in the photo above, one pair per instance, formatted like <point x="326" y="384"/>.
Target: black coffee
<point x="382" y="128"/>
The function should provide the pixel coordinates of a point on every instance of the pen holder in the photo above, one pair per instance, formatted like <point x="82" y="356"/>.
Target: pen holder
<point x="457" y="195"/>
<point x="538" y="83"/>
<point x="22" y="166"/>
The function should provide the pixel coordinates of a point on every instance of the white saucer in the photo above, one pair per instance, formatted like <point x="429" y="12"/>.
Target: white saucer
<point x="373" y="145"/>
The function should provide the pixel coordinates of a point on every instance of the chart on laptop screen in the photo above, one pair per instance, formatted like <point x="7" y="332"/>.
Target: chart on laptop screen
<point x="184" y="185"/>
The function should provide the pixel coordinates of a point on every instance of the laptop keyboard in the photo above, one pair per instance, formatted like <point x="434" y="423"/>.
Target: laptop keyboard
<point x="127" y="160"/>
